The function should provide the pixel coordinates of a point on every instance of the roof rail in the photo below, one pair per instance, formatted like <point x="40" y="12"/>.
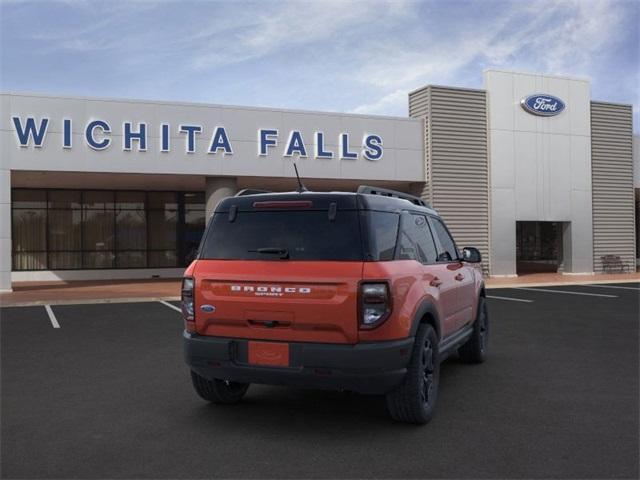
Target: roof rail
<point x="392" y="193"/>
<point x="250" y="191"/>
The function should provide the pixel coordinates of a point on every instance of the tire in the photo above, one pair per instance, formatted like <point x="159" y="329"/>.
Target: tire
<point x="475" y="349"/>
<point x="414" y="400"/>
<point x="218" y="391"/>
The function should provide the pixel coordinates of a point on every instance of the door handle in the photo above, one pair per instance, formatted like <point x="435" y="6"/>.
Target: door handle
<point x="459" y="277"/>
<point x="436" y="282"/>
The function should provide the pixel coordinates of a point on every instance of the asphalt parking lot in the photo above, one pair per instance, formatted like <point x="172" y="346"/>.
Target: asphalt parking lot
<point x="106" y="395"/>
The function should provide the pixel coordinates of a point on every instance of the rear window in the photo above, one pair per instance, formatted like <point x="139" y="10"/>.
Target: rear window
<point x="274" y="235"/>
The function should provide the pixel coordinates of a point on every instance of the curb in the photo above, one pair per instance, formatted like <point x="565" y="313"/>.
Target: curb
<point x="40" y="303"/>
<point x="561" y="284"/>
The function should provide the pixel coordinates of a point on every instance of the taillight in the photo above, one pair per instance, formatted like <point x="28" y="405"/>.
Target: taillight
<point x="375" y="304"/>
<point x="187" y="299"/>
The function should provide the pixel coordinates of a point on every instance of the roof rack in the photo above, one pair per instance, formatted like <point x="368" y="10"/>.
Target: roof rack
<point x="250" y="191"/>
<point x="392" y="193"/>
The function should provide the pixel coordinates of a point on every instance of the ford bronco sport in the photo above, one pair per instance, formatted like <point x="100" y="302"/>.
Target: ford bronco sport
<point x="363" y="292"/>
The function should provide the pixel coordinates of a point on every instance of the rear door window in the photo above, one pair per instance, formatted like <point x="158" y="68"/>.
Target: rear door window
<point x="416" y="242"/>
<point x="279" y="235"/>
<point x="447" y="251"/>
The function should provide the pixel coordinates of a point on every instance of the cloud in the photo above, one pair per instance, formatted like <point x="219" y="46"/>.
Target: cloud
<point x="551" y="37"/>
<point x="394" y="103"/>
<point x="346" y="55"/>
<point x="288" y="25"/>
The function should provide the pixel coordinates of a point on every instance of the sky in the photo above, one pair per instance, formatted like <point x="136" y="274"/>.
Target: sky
<point x="343" y="55"/>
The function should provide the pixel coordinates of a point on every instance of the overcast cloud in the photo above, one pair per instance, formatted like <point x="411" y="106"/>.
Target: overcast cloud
<point x="355" y="56"/>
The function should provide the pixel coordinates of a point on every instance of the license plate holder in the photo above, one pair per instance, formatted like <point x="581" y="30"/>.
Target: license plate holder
<point x="270" y="354"/>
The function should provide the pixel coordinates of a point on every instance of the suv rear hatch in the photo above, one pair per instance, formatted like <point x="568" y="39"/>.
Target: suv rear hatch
<point x="281" y="267"/>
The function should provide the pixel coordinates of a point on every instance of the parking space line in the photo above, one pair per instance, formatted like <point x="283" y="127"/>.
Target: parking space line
<point x="512" y="299"/>
<point x="610" y="286"/>
<point x="567" y="292"/>
<point x="167" y="304"/>
<point x="52" y="317"/>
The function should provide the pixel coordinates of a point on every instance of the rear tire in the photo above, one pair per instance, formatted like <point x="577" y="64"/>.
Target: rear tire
<point x="414" y="400"/>
<point x="218" y="391"/>
<point x="475" y="349"/>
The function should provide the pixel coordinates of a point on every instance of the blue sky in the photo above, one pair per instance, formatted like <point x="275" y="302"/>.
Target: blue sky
<point x="347" y="56"/>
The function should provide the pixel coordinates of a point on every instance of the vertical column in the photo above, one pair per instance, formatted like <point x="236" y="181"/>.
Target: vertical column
<point x="5" y="228"/>
<point x="566" y="248"/>
<point x="218" y="188"/>
<point x="503" y="236"/>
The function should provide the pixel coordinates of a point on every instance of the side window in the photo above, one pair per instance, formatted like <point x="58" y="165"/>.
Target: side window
<point x="448" y="251"/>
<point x="415" y="240"/>
<point x="383" y="234"/>
<point x="426" y="245"/>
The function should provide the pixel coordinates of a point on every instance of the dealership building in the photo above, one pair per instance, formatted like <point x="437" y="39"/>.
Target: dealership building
<point x="529" y="169"/>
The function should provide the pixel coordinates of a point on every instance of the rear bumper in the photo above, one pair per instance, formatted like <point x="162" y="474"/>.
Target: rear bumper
<point x="373" y="368"/>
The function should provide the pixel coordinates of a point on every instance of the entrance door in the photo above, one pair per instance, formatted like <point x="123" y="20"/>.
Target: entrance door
<point x="538" y="247"/>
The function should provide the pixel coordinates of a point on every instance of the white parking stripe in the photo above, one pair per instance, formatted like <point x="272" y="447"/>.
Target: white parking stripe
<point x="512" y="299"/>
<point x="568" y="292"/>
<point x="611" y="286"/>
<point x="177" y="309"/>
<point x="52" y="317"/>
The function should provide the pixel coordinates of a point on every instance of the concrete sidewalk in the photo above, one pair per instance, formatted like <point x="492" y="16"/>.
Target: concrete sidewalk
<point x="555" y="279"/>
<point x="118" y="291"/>
<point x="54" y="293"/>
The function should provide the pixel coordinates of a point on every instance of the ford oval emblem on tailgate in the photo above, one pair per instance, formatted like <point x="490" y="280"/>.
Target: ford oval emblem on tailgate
<point x="208" y="308"/>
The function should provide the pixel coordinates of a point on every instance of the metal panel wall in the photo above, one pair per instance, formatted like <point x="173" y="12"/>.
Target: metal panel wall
<point x="612" y="179"/>
<point x="456" y="153"/>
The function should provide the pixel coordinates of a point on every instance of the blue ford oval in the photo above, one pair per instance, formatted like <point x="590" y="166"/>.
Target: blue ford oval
<point x="543" y="105"/>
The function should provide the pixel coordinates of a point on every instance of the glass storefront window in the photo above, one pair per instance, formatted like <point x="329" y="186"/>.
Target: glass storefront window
<point x="64" y="199"/>
<point x="163" y="224"/>
<point x="131" y="230"/>
<point x="97" y="230"/>
<point x="76" y="229"/>
<point x="65" y="230"/>
<point x="163" y="258"/>
<point x="194" y="222"/>
<point x="98" y="260"/>
<point x="98" y="199"/>
<point x="29" y="198"/>
<point x="65" y="260"/>
<point x="29" y="260"/>
<point x="162" y="201"/>
<point x="131" y="259"/>
<point x="29" y="230"/>
<point x="130" y="200"/>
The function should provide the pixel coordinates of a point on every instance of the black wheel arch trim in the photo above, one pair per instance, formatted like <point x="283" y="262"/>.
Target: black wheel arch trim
<point x="426" y="308"/>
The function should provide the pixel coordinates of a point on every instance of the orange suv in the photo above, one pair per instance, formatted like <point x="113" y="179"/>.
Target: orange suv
<point x="363" y="292"/>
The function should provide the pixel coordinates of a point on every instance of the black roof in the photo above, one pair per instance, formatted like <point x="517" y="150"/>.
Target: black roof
<point x="322" y="201"/>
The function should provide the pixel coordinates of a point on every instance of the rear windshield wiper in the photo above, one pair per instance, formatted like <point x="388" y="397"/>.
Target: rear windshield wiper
<point x="283" y="252"/>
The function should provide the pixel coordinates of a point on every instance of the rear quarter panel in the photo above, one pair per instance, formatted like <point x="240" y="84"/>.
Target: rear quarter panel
<point x="409" y="289"/>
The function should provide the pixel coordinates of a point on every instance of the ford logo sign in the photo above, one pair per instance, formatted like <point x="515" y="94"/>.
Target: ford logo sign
<point x="208" y="308"/>
<point x="543" y="105"/>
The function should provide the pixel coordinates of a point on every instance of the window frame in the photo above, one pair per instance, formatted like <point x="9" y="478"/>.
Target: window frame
<point x="428" y="227"/>
<point x="434" y="218"/>
<point x="178" y="195"/>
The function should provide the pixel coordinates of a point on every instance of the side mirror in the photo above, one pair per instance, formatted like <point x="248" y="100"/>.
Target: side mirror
<point x="471" y="255"/>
